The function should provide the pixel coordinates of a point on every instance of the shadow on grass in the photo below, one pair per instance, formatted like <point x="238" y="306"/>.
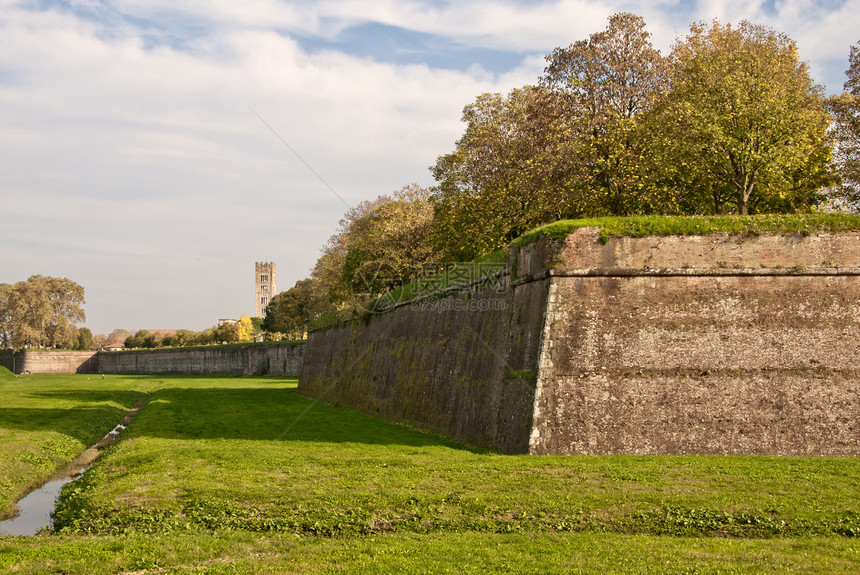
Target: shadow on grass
<point x="95" y="414"/>
<point x="125" y="397"/>
<point x="84" y="424"/>
<point x="269" y="414"/>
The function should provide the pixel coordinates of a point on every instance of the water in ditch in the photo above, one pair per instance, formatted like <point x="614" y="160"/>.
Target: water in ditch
<point x="36" y="508"/>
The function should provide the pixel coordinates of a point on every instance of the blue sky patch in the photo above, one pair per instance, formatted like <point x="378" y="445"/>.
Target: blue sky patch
<point x="391" y="44"/>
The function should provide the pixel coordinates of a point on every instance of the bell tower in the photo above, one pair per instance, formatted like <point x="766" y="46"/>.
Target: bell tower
<point x="264" y="286"/>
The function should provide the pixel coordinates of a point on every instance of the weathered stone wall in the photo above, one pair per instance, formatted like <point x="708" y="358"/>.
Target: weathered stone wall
<point x="701" y="344"/>
<point x="658" y="345"/>
<point x="462" y="365"/>
<point x="284" y="359"/>
<point x="6" y="359"/>
<point x="701" y="365"/>
<point x="51" y="361"/>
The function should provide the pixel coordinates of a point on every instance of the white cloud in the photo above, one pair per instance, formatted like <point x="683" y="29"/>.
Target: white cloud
<point x="125" y="160"/>
<point x="134" y="161"/>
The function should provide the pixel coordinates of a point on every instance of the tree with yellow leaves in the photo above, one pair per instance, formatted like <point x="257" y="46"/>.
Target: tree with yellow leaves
<point x="743" y="121"/>
<point x="244" y="329"/>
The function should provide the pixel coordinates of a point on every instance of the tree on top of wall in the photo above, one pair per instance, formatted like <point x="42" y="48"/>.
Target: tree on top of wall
<point x="845" y="109"/>
<point x="744" y="120"/>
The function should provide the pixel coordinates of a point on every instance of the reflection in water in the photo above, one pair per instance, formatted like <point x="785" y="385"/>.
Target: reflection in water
<point x="35" y="509"/>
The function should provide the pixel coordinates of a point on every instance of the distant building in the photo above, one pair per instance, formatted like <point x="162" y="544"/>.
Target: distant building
<point x="163" y="332"/>
<point x="264" y="287"/>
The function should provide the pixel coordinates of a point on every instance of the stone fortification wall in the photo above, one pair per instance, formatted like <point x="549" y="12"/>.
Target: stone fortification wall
<point x="51" y="361"/>
<point x="461" y="365"/>
<point x="284" y="359"/>
<point x="713" y="344"/>
<point x="701" y="344"/>
<point x="6" y="359"/>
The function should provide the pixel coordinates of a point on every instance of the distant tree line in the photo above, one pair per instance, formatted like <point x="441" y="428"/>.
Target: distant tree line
<point x="42" y="312"/>
<point x="730" y="122"/>
<point x="242" y="330"/>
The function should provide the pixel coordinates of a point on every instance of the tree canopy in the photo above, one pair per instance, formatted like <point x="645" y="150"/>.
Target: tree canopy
<point x="729" y="123"/>
<point x="573" y="146"/>
<point x="379" y="245"/>
<point x="41" y="312"/>
<point x="745" y="121"/>
<point x="291" y="312"/>
<point x="388" y="240"/>
<point x="846" y="131"/>
<point x="509" y="172"/>
<point x="609" y="81"/>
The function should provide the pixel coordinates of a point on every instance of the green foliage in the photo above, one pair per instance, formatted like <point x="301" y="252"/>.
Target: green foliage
<point x="574" y="146"/>
<point x="41" y="311"/>
<point x="388" y="241"/>
<point x="379" y="246"/>
<point x="225" y="333"/>
<point x="845" y="109"/>
<point x="743" y="127"/>
<point x="85" y="340"/>
<point x="292" y="311"/>
<point x="509" y="172"/>
<point x="143" y="339"/>
<point x="445" y="276"/>
<point x="731" y="123"/>
<point x="610" y="81"/>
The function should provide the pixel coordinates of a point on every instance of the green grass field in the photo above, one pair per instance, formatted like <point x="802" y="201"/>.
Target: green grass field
<point x="243" y="475"/>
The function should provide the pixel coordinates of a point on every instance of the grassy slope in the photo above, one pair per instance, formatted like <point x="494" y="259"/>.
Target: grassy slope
<point x="227" y="475"/>
<point x="45" y="421"/>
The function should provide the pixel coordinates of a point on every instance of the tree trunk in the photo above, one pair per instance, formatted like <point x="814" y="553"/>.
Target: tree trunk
<point x="745" y="190"/>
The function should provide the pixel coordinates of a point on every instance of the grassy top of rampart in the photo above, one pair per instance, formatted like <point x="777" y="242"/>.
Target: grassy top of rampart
<point x="4" y="373"/>
<point x="641" y="226"/>
<point x="632" y="226"/>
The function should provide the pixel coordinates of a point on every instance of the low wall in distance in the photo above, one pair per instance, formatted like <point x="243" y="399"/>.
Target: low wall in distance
<point x="50" y="361"/>
<point x="281" y="359"/>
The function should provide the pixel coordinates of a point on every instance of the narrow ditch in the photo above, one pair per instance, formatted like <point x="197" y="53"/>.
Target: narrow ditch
<point x="35" y="510"/>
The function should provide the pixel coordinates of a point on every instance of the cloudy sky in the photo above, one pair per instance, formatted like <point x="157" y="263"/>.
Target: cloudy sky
<point x="153" y="150"/>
